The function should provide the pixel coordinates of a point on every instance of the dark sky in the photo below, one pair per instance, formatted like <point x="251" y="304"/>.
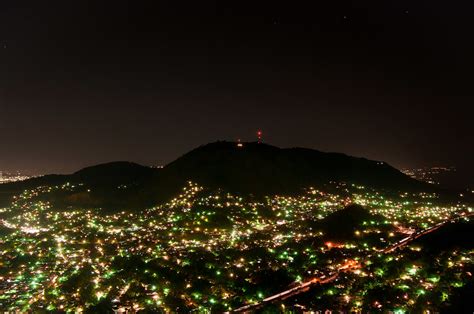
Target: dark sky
<point x="83" y="82"/>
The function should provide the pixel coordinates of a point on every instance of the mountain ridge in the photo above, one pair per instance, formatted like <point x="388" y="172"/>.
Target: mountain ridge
<point x="248" y="168"/>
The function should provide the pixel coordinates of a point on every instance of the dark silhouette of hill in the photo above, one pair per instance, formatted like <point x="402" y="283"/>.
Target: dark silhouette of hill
<point x="342" y="224"/>
<point x="114" y="173"/>
<point x="458" y="234"/>
<point x="265" y="169"/>
<point x="255" y="168"/>
<point x="115" y="184"/>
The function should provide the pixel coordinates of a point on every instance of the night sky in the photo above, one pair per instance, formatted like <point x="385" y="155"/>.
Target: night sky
<point x="84" y="82"/>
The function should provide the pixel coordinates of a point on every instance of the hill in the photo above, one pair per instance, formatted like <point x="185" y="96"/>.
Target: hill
<point x="342" y="224"/>
<point x="265" y="169"/>
<point x="115" y="184"/>
<point x="458" y="234"/>
<point x="253" y="168"/>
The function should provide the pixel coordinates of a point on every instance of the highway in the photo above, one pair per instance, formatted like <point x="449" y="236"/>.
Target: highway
<point x="349" y="265"/>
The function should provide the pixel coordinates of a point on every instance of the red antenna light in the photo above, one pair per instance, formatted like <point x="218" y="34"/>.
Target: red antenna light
<point x="259" y="136"/>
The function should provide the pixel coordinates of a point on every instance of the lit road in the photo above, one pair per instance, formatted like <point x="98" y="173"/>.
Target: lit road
<point x="349" y="265"/>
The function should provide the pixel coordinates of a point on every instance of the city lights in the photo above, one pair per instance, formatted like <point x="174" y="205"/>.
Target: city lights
<point x="82" y="258"/>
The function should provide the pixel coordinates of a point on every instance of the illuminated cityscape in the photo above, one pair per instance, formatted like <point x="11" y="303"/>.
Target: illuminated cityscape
<point x="212" y="251"/>
<point x="217" y="157"/>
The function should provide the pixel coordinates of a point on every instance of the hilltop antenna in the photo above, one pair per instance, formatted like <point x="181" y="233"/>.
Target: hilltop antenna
<point x="259" y="136"/>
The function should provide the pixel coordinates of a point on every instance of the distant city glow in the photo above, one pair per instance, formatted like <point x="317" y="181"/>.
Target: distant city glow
<point x="6" y="177"/>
